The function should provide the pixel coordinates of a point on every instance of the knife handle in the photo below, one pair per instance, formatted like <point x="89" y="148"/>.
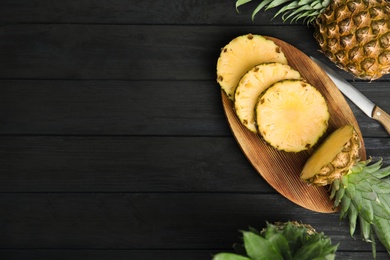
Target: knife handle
<point x="382" y="117"/>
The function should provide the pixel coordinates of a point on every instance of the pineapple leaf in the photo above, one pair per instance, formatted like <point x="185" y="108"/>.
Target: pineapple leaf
<point x="345" y="203"/>
<point x="365" y="229"/>
<point x="259" y="7"/>
<point x="352" y="215"/>
<point x="308" y="10"/>
<point x="241" y="2"/>
<point x="367" y="197"/>
<point x="339" y="196"/>
<point x="283" y="241"/>
<point x="258" y="248"/>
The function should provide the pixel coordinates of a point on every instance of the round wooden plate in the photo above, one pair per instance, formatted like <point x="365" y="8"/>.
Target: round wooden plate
<point x="282" y="169"/>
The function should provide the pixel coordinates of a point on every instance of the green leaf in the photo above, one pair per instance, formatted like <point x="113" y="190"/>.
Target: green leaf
<point x="382" y="173"/>
<point x="345" y="203"/>
<point x="258" y="248"/>
<point x="382" y="230"/>
<point x="229" y="256"/>
<point x="365" y="228"/>
<point x="259" y="7"/>
<point x="367" y="211"/>
<point x="241" y="2"/>
<point x="281" y="245"/>
<point x="352" y="215"/>
<point x="339" y="195"/>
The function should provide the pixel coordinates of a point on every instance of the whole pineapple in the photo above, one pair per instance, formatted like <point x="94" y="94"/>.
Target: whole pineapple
<point x="282" y="240"/>
<point x="357" y="187"/>
<point x="353" y="34"/>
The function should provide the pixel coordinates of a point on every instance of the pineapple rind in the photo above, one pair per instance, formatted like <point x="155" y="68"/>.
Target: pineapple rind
<point x="333" y="158"/>
<point x="355" y="36"/>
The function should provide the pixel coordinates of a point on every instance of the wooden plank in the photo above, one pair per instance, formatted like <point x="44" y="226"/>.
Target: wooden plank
<point x="151" y="221"/>
<point x="111" y="108"/>
<point x="164" y="108"/>
<point x="133" y="52"/>
<point x="145" y="254"/>
<point x="134" y="164"/>
<point x="152" y="254"/>
<point x="131" y="12"/>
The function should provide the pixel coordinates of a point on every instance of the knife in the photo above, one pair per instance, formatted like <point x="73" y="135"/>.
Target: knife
<point x="366" y="105"/>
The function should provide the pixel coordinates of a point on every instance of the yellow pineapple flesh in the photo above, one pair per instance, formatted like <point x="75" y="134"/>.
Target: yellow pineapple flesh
<point x="334" y="158"/>
<point x="253" y="83"/>
<point x="242" y="54"/>
<point x="292" y="115"/>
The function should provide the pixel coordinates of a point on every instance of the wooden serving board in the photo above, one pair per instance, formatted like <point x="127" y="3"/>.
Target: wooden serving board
<point x="282" y="169"/>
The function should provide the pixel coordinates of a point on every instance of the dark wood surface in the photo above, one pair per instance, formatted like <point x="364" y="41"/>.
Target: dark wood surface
<point x="113" y="139"/>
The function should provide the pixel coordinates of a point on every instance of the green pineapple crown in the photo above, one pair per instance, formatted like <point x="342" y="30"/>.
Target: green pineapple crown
<point x="290" y="240"/>
<point x="364" y="196"/>
<point x="308" y="10"/>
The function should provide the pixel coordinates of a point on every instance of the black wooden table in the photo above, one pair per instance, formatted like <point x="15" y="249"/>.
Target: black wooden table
<point x="113" y="139"/>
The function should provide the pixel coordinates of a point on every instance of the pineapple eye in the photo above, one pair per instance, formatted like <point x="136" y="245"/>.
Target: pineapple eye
<point x="346" y="40"/>
<point x="385" y="40"/>
<point x="344" y="25"/>
<point x="384" y="58"/>
<point x="378" y="26"/>
<point x="369" y="48"/>
<point x="362" y="35"/>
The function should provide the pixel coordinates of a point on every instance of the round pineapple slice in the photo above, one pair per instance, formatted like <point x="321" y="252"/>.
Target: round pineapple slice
<point x="253" y="83"/>
<point x="240" y="55"/>
<point x="292" y="115"/>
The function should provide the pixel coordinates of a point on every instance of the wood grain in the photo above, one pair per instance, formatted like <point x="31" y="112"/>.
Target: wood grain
<point x="281" y="169"/>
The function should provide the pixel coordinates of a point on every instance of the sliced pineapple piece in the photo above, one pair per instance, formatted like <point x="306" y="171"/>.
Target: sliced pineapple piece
<point x="253" y="83"/>
<point x="240" y="55"/>
<point x="333" y="158"/>
<point x="292" y="115"/>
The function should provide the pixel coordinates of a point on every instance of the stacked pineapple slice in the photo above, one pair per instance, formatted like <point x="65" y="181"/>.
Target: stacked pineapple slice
<point x="266" y="96"/>
<point x="269" y="95"/>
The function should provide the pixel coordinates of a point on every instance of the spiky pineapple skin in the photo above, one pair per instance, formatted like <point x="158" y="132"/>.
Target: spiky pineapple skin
<point x="355" y="35"/>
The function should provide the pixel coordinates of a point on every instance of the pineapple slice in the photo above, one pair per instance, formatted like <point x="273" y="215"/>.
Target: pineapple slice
<point x="292" y="115"/>
<point x="334" y="158"/>
<point x="240" y="55"/>
<point x="253" y="83"/>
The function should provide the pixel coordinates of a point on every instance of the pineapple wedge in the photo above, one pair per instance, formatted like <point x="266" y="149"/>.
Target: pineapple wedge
<point x="292" y="115"/>
<point x="333" y="159"/>
<point x="242" y="54"/>
<point x="253" y="83"/>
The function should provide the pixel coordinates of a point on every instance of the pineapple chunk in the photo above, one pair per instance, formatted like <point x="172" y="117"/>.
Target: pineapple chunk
<point x="292" y="115"/>
<point x="333" y="158"/>
<point x="253" y="83"/>
<point x="240" y="55"/>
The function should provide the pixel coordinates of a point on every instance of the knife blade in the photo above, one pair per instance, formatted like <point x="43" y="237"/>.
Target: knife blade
<point x="366" y="105"/>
